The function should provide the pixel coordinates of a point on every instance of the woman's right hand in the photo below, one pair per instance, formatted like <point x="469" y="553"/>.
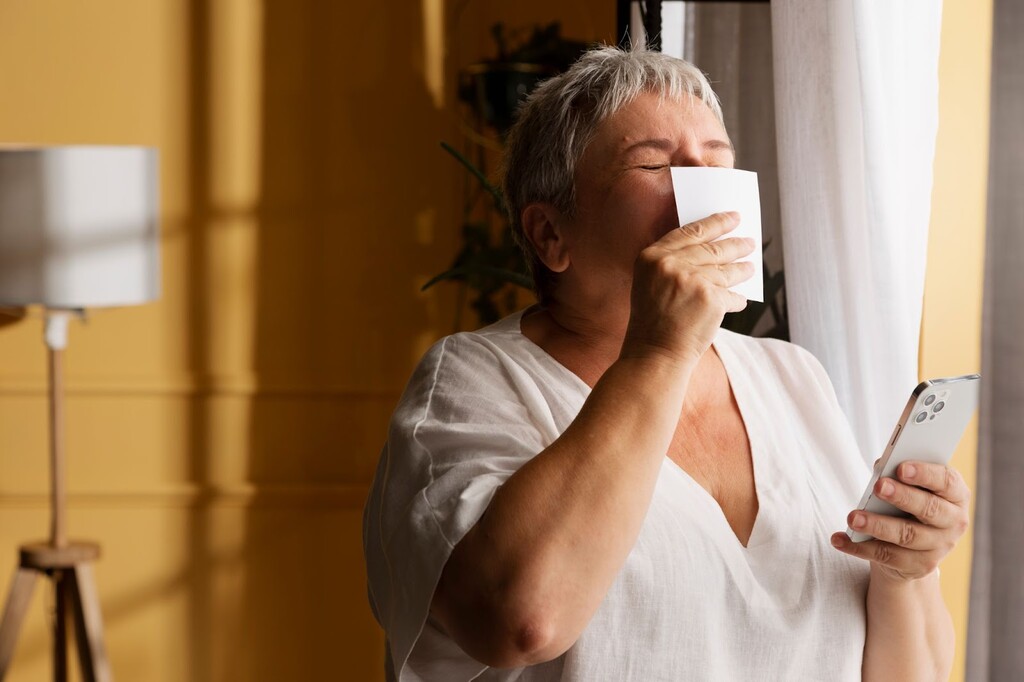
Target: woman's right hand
<point x="681" y="289"/>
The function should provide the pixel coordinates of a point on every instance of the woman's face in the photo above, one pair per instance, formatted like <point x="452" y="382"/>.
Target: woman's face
<point x="624" y="199"/>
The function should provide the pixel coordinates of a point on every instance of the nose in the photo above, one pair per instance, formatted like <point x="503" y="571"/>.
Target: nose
<point x="690" y="155"/>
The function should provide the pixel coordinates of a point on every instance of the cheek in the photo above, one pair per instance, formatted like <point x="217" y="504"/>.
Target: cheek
<point x="651" y="204"/>
<point x="668" y="219"/>
<point x="626" y="217"/>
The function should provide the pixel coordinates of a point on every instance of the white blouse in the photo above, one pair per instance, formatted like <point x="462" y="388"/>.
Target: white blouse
<point x="690" y="603"/>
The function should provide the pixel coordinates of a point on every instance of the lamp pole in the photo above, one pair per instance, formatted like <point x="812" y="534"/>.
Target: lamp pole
<point x="56" y="341"/>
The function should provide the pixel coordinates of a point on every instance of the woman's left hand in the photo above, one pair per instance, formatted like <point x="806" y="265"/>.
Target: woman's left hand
<point x="908" y="549"/>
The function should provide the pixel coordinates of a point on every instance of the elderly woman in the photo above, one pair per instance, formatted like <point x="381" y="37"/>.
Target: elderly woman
<point x="608" y="486"/>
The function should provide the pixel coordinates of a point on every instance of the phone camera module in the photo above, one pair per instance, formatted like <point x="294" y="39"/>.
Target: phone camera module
<point x="929" y="400"/>
<point x="921" y="416"/>
<point x="938" y="406"/>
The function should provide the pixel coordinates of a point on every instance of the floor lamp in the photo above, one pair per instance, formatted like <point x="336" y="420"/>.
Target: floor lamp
<point x="78" y="230"/>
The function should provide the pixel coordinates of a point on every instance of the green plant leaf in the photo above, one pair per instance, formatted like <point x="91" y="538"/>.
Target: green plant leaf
<point x="499" y="200"/>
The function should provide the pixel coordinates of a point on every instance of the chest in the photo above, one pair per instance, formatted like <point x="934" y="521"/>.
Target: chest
<point x="712" y="446"/>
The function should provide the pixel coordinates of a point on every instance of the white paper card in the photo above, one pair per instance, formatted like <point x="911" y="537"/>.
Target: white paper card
<point x="701" y="191"/>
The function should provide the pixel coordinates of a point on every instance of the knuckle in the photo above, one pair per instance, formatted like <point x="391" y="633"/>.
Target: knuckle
<point x="714" y="249"/>
<point x="697" y="230"/>
<point x="950" y="478"/>
<point x="883" y="553"/>
<point x="704" y="291"/>
<point x="930" y="512"/>
<point x="664" y="267"/>
<point x="908" y="533"/>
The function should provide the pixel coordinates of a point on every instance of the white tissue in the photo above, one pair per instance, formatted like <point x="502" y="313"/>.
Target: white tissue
<point x="701" y="191"/>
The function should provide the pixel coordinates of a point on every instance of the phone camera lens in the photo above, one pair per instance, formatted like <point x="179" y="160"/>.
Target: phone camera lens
<point x="938" y="406"/>
<point x="929" y="400"/>
<point x="921" y="416"/>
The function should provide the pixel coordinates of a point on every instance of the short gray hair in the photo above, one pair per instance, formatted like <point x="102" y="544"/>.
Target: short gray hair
<point x="560" y="117"/>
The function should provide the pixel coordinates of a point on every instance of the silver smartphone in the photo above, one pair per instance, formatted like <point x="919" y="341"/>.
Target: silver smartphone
<point x="929" y="430"/>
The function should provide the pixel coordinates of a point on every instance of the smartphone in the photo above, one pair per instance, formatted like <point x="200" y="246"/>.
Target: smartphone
<point x="929" y="430"/>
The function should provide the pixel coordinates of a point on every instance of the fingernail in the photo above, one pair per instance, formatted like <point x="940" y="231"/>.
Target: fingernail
<point x="859" y="521"/>
<point x="909" y="471"/>
<point x="887" y="489"/>
<point x="837" y="541"/>
<point x="733" y="215"/>
<point x="749" y="241"/>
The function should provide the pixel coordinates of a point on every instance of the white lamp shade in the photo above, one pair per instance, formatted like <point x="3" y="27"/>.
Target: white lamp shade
<point x="79" y="226"/>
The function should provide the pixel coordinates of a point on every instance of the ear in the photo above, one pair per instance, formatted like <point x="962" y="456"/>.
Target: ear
<point x="544" y="227"/>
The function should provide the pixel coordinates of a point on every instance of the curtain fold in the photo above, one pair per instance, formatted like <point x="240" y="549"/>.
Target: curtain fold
<point x="732" y="43"/>
<point x="996" y="622"/>
<point x="856" y="108"/>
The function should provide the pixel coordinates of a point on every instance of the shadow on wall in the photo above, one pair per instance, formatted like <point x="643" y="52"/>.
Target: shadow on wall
<point x="348" y="130"/>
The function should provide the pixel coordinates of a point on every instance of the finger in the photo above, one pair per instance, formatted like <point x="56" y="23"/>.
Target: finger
<point x="700" y="231"/>
<point x="897" y="531"/>
<point x="730" y="274"/>
<point x="721" y="251"/>
<point x="909" y="563"/>
<point x="926" y="506"/>
<point x="944" y="481"/>
<point x="734" y="302"/>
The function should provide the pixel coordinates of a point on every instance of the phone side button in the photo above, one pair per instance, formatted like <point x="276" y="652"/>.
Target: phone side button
<point x="899" y="427"/>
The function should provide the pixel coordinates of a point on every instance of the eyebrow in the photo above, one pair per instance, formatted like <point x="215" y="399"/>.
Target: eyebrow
<point x="664" y="144"/>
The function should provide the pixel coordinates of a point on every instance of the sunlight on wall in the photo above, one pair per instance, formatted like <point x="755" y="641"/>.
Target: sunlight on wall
<point x="433" y="49"/>
<point x="232" y="184"/>
<point x="236" y="66"/>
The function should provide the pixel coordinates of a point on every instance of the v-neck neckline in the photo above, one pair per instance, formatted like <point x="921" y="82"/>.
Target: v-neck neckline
<point x="756" y="457"/>
<point x="753" y="443"/>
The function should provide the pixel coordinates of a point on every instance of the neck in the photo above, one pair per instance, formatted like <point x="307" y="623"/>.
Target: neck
<point x="588" y="339"/>
<point x="597" y="328"/>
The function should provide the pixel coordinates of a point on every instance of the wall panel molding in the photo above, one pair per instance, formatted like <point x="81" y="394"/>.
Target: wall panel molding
<point x="335" y="496"/>
<point x="190" y="385"/>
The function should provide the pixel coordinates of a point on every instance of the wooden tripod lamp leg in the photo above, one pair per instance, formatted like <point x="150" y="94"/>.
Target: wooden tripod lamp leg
<point x="14" y="613"/>
<point x="88" y="625"/>
<point x="60" y="625"/>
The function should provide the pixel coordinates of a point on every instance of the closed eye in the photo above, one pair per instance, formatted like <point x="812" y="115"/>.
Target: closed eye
<point x="654" y="168"/>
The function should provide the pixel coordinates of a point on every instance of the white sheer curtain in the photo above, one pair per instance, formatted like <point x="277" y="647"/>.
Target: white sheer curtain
<point x="856" y="107"/>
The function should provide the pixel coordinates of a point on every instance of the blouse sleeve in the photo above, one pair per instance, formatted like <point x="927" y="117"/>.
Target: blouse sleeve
<point x="462" y="427"/>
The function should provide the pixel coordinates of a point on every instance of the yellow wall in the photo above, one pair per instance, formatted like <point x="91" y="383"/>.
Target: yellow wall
<point x="951" y="329"/>
<point x="221" y="441"/>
